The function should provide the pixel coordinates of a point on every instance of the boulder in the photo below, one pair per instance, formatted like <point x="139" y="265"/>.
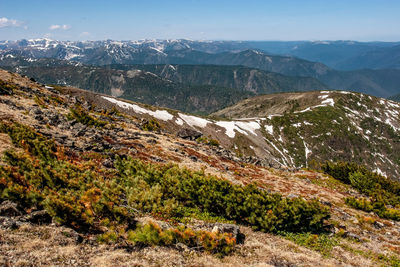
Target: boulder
<point x="10" y="209"/>
<point x="230" y="228"/>
<point x="38" y="217"/>
<point x="378" y="225"/>
<point x="189" y="134"/>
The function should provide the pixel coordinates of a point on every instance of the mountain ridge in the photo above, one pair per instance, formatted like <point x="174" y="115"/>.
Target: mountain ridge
<point x="380" y="83"/>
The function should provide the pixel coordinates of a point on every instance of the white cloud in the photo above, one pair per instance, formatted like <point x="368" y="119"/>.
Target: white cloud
<point x="5" y="22"/>
<point x="84" y="34"/>
<point x="59" y="27"/>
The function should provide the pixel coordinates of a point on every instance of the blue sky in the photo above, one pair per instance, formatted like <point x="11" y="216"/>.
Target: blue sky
<point x="366" y="20"/>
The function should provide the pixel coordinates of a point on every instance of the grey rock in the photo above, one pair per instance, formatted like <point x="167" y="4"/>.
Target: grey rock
<point x="292" y="196"/>
<point x="189" y="134"/>
<point x="230" y="228"/>
<point x="352" y="236"/>
<point x="108" y="163"/>
<point x="327" y="203"/>
<point x="8" y="208"/>
<point x="378" y="225"/>
<point x="39" y="217"/>
<point x="182" y="247"/>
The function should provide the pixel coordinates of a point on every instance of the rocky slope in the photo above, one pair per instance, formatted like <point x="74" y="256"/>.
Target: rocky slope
<point x="28" y="237"/>
<point x="327" y="125"/>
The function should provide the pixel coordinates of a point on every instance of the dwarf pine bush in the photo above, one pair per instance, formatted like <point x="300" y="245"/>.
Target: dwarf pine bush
<point x="152" y="235"/>
<point x="80" y="193"/>
<point x="381" y="191"/>
<point x="72" y="192"/>
<point x="162" y="184"/>
<point x="81" y="115"/>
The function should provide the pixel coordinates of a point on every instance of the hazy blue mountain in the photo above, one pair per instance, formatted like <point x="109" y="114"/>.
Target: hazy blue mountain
<point x="382" y="58"/>
<point x="335" y="54"/>
<point x="395" y="97"/>
<point x="379" y="83"/>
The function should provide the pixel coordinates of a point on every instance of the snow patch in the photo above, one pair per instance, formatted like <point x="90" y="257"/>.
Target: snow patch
<point x="306" y="152"/>
<point x="239" y="126"/>
<point x="179" y="121"/>
<point x="194" y="121"/>
<point x="269" y="129"/>
<point x="378" y="171"/>
<point x="158" y="114"/>
<point x="329" y="102"/>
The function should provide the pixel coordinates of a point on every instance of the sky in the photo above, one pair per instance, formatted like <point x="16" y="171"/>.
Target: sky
<point x="360" y="20"/>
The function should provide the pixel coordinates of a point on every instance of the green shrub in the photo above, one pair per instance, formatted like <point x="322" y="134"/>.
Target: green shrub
<point x="381" y="190"/>
<point x="207" y="141"/>
<point x="73" y="193"/>
<point x="81" y="115"/>
<point x="6" y="88"/>
<point x="108" y="237"/>
<point x="376" y="206"/>
<point x="151" y="186"/>
<point x="152" y="235"/>
<point x="79" y="193"/>
<point x="150" y="125"/>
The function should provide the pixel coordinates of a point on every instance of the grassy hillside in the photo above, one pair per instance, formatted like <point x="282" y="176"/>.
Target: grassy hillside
<point x="85" y="180"/>
<point x="318" y="126"/>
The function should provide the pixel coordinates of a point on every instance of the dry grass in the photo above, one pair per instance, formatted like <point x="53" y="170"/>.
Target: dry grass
<point x="50" y="246"/>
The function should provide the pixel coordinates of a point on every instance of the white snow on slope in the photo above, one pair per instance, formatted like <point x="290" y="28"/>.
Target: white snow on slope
<point x="269" y="129"/>
<point x="230" y="128"/>
<point x="307" y="151"/>
<point x="158" y="114"/>
<point x="179" y="121"/>
<point x="329" y="102"/>
<point x="324" y="103"/>
<point x="194" y="121"/>
<point x="240" y="126"/>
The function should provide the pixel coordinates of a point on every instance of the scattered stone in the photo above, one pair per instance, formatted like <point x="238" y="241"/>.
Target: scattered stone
<point x="352" y="236"/>
<point x="8" y="208"/>
<point x="327" y="203"/>
<point x="230" y="228"/>
<point x="108" y="163"/>
<point x="38" y="217"/>
<point x="194" y="158"/>
<point x="189" y="134"/>
<point x="182" y="247"/>
<point x="378" y="225"/>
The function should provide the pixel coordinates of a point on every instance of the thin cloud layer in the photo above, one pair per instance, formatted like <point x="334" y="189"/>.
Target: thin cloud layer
<point x="59" y="27"/>
<point x="5" y="22"/>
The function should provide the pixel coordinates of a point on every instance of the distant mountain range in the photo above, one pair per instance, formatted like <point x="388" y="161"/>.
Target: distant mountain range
<point x="380" y="58"/>
<point x="381" y="83"/>
<point x="190" y="88"/>
<point x="238" y="77"/>
<point x="395" y="98"/>
<point x="343" y="55"/>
